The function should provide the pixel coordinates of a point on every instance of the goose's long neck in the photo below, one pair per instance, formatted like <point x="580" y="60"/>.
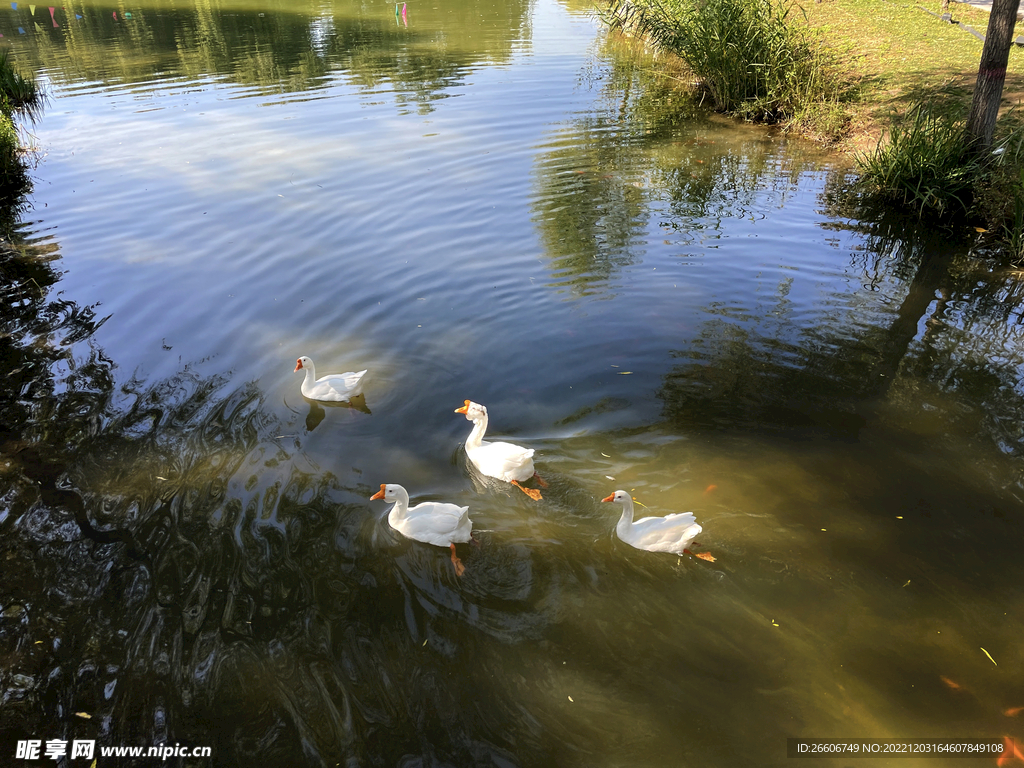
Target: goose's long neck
<point x="626" y="521"/>
<point x="476" y="437"/>
<point x="310" y="374"/>
<point x="400" y="510"/>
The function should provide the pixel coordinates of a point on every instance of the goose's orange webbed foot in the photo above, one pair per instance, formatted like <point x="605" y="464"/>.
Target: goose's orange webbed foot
<point x="531" y="492"/>
<point x="540" y="480"/>
<point x="459" y="567"/>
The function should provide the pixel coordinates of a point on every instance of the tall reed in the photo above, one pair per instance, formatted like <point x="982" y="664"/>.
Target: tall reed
<point x="18" y="95"/>
<point x="747" y="55"/>
<point x="922" y="164"/>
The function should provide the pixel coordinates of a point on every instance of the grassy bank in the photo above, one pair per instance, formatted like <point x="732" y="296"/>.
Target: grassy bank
<point x="915" y="76"/>
<point x="750" y="58"/>
<point x="897" y="54"/>
<point x="886" y="81"/>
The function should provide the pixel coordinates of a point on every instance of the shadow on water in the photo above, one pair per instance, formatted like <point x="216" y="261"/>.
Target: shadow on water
<point x="318" y="410"/>
<point x="818" y="428"/>
<point x="173" y="573"/>
<point x="173" y="576"/>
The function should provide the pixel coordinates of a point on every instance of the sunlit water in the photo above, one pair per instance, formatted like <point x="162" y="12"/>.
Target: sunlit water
<point x="474" y="200"/>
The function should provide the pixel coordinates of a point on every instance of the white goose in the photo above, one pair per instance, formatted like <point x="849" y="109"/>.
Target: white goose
<point x="505" y="461"/>
<point x="332" y="388"/>
<point x="672" y="533"/>
<point x="431" y="522"/>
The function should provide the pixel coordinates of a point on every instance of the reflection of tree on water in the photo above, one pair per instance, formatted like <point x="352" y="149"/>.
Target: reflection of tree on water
<point x="948" y="326"/>
<point x="645" y="158"/>
<point x="287" y="51"/>
<point x="642" y="159"/>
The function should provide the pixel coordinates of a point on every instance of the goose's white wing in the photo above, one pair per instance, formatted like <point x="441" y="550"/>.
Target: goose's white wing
<point x="437" y="523"/>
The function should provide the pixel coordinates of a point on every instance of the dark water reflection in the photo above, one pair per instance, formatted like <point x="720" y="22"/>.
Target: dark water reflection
<point x="652" y="298"/>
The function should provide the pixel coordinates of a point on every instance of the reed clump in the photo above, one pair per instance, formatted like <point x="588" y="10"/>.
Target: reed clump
<point x="923" y="163"/>
<point x="747" y="56"/>
<point x="18" y="95"/>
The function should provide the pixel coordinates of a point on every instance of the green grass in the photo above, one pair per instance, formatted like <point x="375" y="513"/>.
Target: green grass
<point x="899" y="55"/>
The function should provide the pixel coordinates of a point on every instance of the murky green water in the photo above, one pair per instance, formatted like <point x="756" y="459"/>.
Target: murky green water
<point x="473" y="200"/>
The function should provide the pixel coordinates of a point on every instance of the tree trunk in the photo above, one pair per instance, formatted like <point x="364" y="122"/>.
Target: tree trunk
<point x="988" y="92"/>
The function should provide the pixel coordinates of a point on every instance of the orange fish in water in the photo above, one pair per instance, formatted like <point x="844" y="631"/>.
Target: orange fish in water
<point x="954" y="685"/>
<point x="1013" y="711"/>
<point x="1010" y="752"/>
<point x="710" y="488"/>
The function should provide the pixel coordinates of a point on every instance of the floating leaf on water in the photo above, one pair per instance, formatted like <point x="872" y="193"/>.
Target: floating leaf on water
<point x="609" y="477"/>
<point x="424" y="642"/>
<point x="160" y="478"/>
<point x="570" y="699"/>
<point x="624" y="373"/>
<point x="86" y="715"/>
<point x="606" y="455"/>
<point x="980" y="229"/>
<point x="908" y="581"/>
<point x="706" y="556"/>
<point x="989" y="656"/>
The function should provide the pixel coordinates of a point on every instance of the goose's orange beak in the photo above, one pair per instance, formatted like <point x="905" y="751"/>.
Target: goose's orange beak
<point x="379" y="494"/>
<point x="610" y="497"/>
<point x="298" y="365"/>
<point x="463" y="409"/>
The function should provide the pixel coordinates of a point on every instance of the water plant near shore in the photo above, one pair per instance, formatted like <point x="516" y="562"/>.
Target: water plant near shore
<point x="922" y="163"/>
<point x="745" y="55"/>
<point x="18" y="95"/>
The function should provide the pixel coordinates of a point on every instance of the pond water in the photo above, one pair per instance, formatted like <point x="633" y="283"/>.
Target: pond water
<point x="483" y="200"/>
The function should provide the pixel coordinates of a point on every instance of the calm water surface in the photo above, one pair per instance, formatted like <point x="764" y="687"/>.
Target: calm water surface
<point x="481" y="200"/>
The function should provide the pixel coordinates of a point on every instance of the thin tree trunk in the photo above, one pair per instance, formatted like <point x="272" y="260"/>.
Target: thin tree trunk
<point x="988" y="92"/>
